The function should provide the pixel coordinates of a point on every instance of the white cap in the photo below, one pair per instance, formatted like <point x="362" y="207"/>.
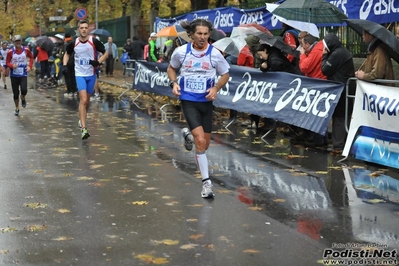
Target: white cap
<point x="153" y="34"/>
<point x="17" y="38"/>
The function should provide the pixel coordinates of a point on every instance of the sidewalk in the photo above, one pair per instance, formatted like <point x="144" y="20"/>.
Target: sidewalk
<point x="105" y="201"/>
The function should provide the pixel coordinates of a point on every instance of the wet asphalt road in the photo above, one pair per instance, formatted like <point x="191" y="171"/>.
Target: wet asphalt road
<point x="130" y="194"/>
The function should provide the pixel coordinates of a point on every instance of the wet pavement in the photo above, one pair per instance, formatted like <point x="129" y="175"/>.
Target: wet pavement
<point x="130" y="194"/>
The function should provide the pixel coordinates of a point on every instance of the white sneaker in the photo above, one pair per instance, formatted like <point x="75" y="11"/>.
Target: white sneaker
<point x="188" y="139"/>
<point x="207" y="190"/>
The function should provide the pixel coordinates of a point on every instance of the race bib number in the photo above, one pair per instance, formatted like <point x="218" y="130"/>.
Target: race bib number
<point x="195" y="85"/>
<point x="84" y="61"/>
<point x="18" y="71"/>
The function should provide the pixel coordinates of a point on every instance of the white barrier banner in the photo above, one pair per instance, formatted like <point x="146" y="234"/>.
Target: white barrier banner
<point x="374" y="130"/>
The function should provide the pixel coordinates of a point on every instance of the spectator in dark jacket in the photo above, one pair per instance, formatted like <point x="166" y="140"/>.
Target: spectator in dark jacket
<point x="138" y="49"/>
<point x="274" y="60"/>
<point x="337" y="65"/>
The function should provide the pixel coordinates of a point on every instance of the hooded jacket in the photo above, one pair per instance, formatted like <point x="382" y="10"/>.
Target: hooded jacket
<point x="338" y="66"/>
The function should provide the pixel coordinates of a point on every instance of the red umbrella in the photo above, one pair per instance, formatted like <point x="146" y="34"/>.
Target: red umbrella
<point x="256" y="26"/>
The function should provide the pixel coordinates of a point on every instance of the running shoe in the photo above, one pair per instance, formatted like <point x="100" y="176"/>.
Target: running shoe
<point x="85" y="134"/>
<point x="16" y="112"/>
<point x="23" y="103"/>
<point x="207" y="190"/>
<point x="188" y="138"/>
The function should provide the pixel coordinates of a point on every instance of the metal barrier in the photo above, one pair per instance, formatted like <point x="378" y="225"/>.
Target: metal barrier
<point x="127" y="70"/>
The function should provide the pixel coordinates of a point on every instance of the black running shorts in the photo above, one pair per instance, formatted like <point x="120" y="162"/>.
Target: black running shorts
<point x="198" y="114"/>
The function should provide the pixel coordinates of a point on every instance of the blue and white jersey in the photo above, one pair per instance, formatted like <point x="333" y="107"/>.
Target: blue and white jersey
<point x="21" y="60"/>
<point x="198" y="70"/>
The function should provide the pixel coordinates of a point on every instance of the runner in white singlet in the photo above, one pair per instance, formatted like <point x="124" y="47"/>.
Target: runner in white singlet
<point x="197" y="87"/>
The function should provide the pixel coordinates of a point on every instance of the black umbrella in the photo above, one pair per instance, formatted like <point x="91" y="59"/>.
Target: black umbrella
<point x="377" y="31"/>
<point x="276" y="41"/>
<point x="45" y="43"/>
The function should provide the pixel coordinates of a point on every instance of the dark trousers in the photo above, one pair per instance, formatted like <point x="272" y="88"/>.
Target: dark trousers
<point x="70" y="80"/>
<point x="44" y="69"/>
<point x="109" y="65"/>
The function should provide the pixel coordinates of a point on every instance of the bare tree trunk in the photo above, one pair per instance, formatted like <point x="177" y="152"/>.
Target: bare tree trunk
<point x="135" y="17"/>
<point x="172" y="8"/>
<point x="153" y="13"/>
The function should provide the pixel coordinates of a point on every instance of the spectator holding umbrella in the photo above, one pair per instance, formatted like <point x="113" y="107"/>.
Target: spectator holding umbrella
<point x="337" y="65"/>
<point x="17" y="61"/>
<point x="378" y="64"/>
<point x="128" y="48"/>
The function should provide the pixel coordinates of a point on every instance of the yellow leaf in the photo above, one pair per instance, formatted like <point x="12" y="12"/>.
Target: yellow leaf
<point x="133" y="155"/>
<point x="155" y="164"/>
<point x="62" y="238"/>
<point x="64" y="210"/>
<point x="375" y="201"/>
<point x="139" y="202"/>
<point x="159" y="261"/>
<point x="279" y="200"/>
<point x="195" y="205"/>
<point x="191" y="220"/>
<point x="377" y="173"/>
<point x="67" y="174"/>
<point x="224" y="191"/>
<point x="4" y="251"/>
<point x="35" y="205"/>
<point x="167" y="242"/>
<point x="188" y="246"/>
<point x="196" y="237"/>
<point x="322" y="172"/>
<point x="141" y="176"/>
<point x="151" y="188"/>
<point x="251" y="251"/>
<point x="35" y="228"/>
<point x="255" y="208"/>
<point x="8" y="229"/>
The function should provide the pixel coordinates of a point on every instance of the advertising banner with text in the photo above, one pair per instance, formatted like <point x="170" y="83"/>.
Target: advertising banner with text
<point x="297" y="100"/>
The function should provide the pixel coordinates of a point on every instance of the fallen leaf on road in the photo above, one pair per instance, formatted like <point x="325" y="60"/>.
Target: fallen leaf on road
<point x="139" y="203"/>
<point x="95" y="166"/>
<point x="8" y="229"/>
<point x="195" y="205"/>
<point x="35" y="205"/>
<point x="124" y="191"/>
<point x="62" y="238"/>
<point x="255" y="208"/>
<point x="35" y="228"/>
<point x="322" y="172"/>
<point x="4" y="251"/>
<point x="63" y="211"/>
<point x="251" y="251"/>
<point x="196" y="237"/>
<point x="191" y="220"/>
<point x="167" y="242"/>
<point x="375" y="201"/>
<point x="188" y="246"/>
<point x="293" y="156"/>
<point x="279" y="200"/>
<point x="155" y="164"/>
